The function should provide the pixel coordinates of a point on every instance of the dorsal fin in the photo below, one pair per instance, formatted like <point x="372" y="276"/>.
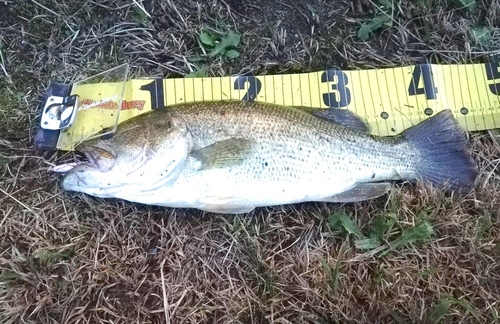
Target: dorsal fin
<point x="342" y="117"/>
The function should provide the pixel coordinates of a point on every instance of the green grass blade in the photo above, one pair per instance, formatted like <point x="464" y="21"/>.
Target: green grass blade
<point x="411" y="235"/>
<point x="439" y="311"/>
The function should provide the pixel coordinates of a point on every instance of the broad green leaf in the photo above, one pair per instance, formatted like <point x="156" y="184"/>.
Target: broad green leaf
<point x="379" y="21"/>
<point x="379" y="227"/>
<point x="470" y="5"/>
<point x="367" y="243"/>
<point x="232" y="54"/>
<point x="231" y="39"/>
<point x="207" y="39"/>
<point x="218" y="49"/>
<point x="340" y="220"/>
<point x="480" y="35"/>
<point x="385" y="4"/>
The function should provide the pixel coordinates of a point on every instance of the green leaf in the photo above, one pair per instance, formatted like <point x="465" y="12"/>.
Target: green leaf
<point x="385" y="4"/>
<point x="465" y="304"/>
<point x="207" y="39"/>
<point x="332" y="273"/>
<point x="197" y="58"/>
<point x="232" y="54"/>
<point x="379" y="227"/>
<point x="379" y="21"/>
<point x="7" y="275"/>
<point x="141" y="15"/>
<point x="367" y="243"/>
<point x="412" y="235"/>
<point x="218" y="49"/>
<point x="470" y="5"/>
<point x="231" y="39"/>
<point x="340" y="220"/>
<point x="4" y="159"/>
<point x="200" y="73"/>
<point x="484" y="225"/>
<point x="480" y="35"/>
<point x="426" y="273"/>
<point x="440" y="311"/>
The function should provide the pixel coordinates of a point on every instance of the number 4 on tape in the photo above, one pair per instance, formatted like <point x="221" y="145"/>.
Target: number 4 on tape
<point x="423" y="72"/>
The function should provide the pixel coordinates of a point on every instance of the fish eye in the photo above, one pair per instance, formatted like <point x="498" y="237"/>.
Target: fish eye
<point x="104" y="136"/>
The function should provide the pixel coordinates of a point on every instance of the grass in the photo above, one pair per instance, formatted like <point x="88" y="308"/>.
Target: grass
<point x="416" y="256"/>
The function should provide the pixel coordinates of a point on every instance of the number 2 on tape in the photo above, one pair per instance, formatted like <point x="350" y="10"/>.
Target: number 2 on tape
<point x="253" y="89"/>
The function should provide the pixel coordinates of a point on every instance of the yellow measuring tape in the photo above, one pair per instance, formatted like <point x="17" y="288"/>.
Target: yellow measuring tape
<point x="390" y="100"/>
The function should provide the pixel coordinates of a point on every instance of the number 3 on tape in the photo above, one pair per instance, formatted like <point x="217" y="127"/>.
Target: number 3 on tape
<point x="342" y="95"/>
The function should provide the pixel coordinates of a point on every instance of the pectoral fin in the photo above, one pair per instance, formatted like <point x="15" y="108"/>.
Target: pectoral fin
<point x="224" y="153"/>
<point x="360" y="192"/>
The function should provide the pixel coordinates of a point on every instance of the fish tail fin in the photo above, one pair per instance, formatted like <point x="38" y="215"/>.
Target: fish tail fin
<point x="442" y="144"/>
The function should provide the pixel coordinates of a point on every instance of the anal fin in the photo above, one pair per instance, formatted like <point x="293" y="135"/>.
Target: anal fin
<point x="360" y="192"/>
<point x="224" y="205"/>
<point x="221" y="209"/>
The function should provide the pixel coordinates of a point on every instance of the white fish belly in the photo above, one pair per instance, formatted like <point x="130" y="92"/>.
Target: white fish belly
<point x="262" y="181"/>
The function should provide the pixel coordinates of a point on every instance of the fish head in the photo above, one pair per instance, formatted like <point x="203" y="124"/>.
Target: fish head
<point x="141" y="154"/>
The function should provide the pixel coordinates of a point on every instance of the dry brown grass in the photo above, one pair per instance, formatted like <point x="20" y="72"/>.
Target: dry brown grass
<point x="71" y="258"/>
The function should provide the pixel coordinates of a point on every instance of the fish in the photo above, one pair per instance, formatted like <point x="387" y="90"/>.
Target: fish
<point x="231" y="157"/>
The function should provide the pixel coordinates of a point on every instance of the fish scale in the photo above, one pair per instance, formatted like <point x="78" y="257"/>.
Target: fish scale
<point x="242" y="155"/>
<point x="347" y="148"/>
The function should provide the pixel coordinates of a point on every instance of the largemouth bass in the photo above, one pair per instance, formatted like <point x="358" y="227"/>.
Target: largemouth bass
<point x="231" y="157"/>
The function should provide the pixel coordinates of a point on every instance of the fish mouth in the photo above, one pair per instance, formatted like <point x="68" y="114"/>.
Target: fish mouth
<point x="87" y="160"/>
<point x="89" y="157"/>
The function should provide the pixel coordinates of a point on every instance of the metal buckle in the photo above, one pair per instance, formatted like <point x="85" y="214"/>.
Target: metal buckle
<point x="59" y="112"/>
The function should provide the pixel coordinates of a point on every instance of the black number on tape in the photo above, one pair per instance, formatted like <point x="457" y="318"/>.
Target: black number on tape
<point x="253" y="89"/>
<point x="423" y="71"/>
<point x="492" y="73"/>
<point x="342" y="96"/>
<point x="155" y="89"/>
